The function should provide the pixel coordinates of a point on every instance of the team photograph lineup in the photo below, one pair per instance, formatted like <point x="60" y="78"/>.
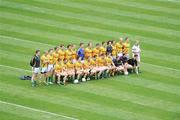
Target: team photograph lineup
<point x="89" y="59"/>
<point x="62" y="65"/>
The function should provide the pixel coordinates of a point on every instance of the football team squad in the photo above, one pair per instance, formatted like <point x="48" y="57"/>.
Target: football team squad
<point x="62" y="65"/>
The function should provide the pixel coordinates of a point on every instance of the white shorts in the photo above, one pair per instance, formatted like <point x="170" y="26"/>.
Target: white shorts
<point x="50" y="67"/>
<point x="36" y="70"/>
<point x="93" y="70"/>
<point x="44" y="70"/>
<point x="120" y="54"/>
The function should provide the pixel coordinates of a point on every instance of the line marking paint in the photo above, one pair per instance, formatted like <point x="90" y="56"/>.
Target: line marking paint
<point x="37" y="110"/>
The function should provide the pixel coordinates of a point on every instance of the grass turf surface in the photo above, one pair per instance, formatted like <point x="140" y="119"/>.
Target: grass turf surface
<point x="152" y="95"/>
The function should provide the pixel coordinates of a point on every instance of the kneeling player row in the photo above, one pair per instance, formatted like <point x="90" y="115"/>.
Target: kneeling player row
<point x="93" y="68"/>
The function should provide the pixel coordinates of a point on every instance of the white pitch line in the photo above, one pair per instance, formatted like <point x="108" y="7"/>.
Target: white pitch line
<point x="37" y="110"/>
<point x="28" y="41"/>
<point x="15" y="68"/>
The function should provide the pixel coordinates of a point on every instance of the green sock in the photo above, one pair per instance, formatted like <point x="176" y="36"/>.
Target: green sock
<point x="51" y="78"/>
<point x="104" y="74"/>
<point x="33" y="83"/>
<point x="139" y="70"/>
<point x="98" y="75"/>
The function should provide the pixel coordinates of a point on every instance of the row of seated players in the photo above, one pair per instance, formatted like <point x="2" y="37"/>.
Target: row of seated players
<point x="92" y="67"/>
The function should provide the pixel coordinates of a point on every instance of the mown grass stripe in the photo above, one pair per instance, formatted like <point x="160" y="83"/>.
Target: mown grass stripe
<point x="12" y="116"/>
<point x="162" y="3"/>
<point x="33" y="44"/>
<point x="72" y="14"/>
<point x="144" y="40"/>
<point x="143" y="82"/>
<point x="37" y="45"/>
<point x="128" y="96"/>
<point x="82" y="105"/>
<point x="58" y="92"/>
<point x="144" y="6"/>
<point x="120" y="84"/>
<point x="57" y="108"/>
<point x="66" y="93"/>
<point x="132" y="31"/>
<point x="8" y="105"/>
<point x="77" y="12"/>
<point x="150" y="41"/>
<point x="140" y="82"/>
<point x="166" y="38"/>
<point x="50" y="28"/>
<point x="149" y="112"/>
<point x="126" y="93"/>
<point x="128" y="6"/>
<point x="147" y="46"/>
<point x="147" y="83"/>
<point x="162" y="56"/>
<point x="158" y="77"/>
<point x="148" y="59"/>
<point x="48" y="39"/>
<point x="57" y="19"/>
<point x="18" y="50"/>
<point x="110" y="7"/>
<point x="174" y="57"/>
<point x="61" y="20"/>
<point x="153" y="94"/>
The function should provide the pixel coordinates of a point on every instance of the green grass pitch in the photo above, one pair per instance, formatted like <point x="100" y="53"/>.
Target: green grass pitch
<point x="26" y="25"/>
